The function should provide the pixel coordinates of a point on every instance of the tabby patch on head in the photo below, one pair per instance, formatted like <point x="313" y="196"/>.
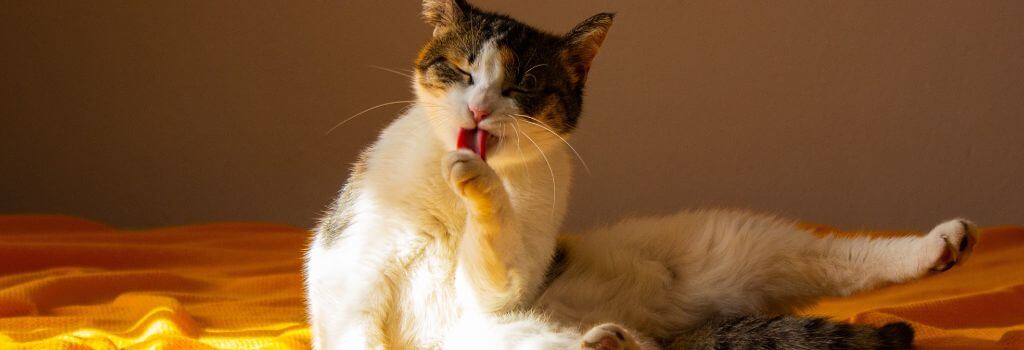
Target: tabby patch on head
<point x="481" y="66"/>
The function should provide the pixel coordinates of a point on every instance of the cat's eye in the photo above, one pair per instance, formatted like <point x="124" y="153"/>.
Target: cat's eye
<point x="528" y="86"/>
<point x="468" y="76"/>
<point x="524" y="88"/>
<point x="509" y="91"/>
<point x="443" y="62"/>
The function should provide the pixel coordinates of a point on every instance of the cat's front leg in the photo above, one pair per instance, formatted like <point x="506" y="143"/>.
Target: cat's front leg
<point x="490" y="248"/>
<point x="477" y="184"/>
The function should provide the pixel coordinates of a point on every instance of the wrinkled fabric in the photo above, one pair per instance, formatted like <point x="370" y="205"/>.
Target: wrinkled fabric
<point x="74" y="284"/>
<point x="977" y="305"/>
<point x="68" y="283"/>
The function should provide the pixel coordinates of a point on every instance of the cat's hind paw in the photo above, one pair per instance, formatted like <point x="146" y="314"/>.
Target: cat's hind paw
<point x="609" y="336"/>
<point x="951" y="243"/>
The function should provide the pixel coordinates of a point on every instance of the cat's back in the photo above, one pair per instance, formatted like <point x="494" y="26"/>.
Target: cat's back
<point x="683" y="233"/>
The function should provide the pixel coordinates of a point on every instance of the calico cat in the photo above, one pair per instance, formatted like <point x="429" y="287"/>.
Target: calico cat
<point x="446" y="234"/>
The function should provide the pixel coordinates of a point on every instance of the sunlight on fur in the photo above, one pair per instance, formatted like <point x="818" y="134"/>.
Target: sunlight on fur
<point x="447" y="234"/>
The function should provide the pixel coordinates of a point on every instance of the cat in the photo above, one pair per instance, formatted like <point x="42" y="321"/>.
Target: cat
<point x="446" y="235"/>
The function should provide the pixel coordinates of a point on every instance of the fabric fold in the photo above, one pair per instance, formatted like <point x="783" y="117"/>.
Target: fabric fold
<point x="70" y="283"/>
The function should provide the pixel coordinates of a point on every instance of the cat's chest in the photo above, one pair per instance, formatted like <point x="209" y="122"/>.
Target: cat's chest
<point x="429" y="297"/>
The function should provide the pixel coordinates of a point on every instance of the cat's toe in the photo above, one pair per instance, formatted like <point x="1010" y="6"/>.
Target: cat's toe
<point x="463" y="169"/>
<point x="475" y="181"/>
<point x="955" y="240"/>
<point x="608" y="336"/>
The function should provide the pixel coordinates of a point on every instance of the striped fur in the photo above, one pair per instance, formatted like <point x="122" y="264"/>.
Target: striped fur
<point x="794" y="333"/>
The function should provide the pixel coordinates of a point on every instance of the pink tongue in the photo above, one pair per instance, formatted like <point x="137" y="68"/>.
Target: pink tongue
<point x="474" y="140"/>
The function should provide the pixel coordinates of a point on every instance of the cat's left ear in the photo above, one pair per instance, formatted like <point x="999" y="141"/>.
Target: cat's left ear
<point x="583" y="42"/>
<point x="443" y="14"/>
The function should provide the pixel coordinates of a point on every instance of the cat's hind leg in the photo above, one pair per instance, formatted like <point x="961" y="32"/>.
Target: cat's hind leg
<point x="661" y="275"/>
<point x="610" y="336"/>
<point x="765" y="266"/>
<point x="959" y="238"/>
<point x="850" y="265"/>
<point x="531" y="332"/>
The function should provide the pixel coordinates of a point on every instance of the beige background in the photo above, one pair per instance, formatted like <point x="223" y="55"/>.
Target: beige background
<point x="855" y="113"/>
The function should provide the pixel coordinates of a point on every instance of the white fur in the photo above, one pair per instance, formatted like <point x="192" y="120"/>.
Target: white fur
<point x="404" y="273"/>
<point x="393" y="280"/>
<point x="663" y="274"/>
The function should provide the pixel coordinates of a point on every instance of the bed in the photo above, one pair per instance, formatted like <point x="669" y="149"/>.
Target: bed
<point x="71" y="283"/>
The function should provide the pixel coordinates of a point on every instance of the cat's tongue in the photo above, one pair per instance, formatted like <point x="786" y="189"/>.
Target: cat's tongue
<point x="474" y="140"/>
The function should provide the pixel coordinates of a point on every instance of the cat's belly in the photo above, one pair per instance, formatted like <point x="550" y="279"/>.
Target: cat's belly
<point x="638" y="294"/>
<point x="663" y="274"/>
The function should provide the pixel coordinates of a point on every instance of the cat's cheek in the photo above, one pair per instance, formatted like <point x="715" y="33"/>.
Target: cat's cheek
<point x="453" y="101"/>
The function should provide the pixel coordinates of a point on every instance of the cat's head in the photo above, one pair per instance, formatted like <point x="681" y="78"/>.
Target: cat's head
<point x="488" y="71"/>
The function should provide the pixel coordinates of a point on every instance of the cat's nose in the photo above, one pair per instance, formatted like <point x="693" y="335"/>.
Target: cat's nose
<point x="479" y="112"/>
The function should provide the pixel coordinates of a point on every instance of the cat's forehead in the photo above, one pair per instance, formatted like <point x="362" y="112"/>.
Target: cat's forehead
<point x="517" y="42"/>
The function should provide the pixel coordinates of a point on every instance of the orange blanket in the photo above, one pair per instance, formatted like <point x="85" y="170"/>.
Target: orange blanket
<point x="70" y="283"/>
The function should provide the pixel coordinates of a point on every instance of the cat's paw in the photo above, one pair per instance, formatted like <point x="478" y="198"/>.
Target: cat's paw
<point x="609" y="336"/>
<point x="472" y="179"/>
<point x="950" y="243"/>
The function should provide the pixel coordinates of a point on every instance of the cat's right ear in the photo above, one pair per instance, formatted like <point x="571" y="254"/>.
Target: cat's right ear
<point x="443" y="14"/>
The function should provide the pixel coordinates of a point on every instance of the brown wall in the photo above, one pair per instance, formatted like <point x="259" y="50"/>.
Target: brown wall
<point x="855" y="113"/>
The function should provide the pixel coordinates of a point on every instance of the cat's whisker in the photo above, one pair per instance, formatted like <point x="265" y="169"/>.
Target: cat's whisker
<point x="501" y="140"/>
<point x="566" y="142"/>
<point x="554" y="186"/>
<point x="428" y="103"/>
<point x="527" y="73"/>
<point x="435" y="118"/>
<point x="386" y="69"/>
<point x="536" y="66"/>
<point x="519" y="144"/>
<point x="365" y="111"/>
<point x="428" y="121"/>
<point x="433" y="107"/>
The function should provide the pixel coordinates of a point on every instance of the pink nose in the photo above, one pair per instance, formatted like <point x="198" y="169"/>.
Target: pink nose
<point x="479" y="113"/>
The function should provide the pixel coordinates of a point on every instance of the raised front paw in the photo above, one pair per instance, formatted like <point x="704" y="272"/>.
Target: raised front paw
<point x="472" y="179"/>
<point x="950" y="243"/>
<point x="609" y="336"/>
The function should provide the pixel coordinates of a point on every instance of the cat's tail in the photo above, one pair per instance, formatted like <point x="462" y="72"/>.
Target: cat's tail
<point x="793" y="332"/>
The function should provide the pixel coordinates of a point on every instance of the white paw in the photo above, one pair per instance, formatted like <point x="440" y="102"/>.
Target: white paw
<point x="609" y="336"/>
<point x="950" y="243"/>
<point x="465" y="171"/>
<point x="475" y="181"/>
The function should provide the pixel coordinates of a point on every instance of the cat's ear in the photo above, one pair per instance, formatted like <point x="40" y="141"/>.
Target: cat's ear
<point x="443" y="14"/>
<point x="583" y="42"/>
